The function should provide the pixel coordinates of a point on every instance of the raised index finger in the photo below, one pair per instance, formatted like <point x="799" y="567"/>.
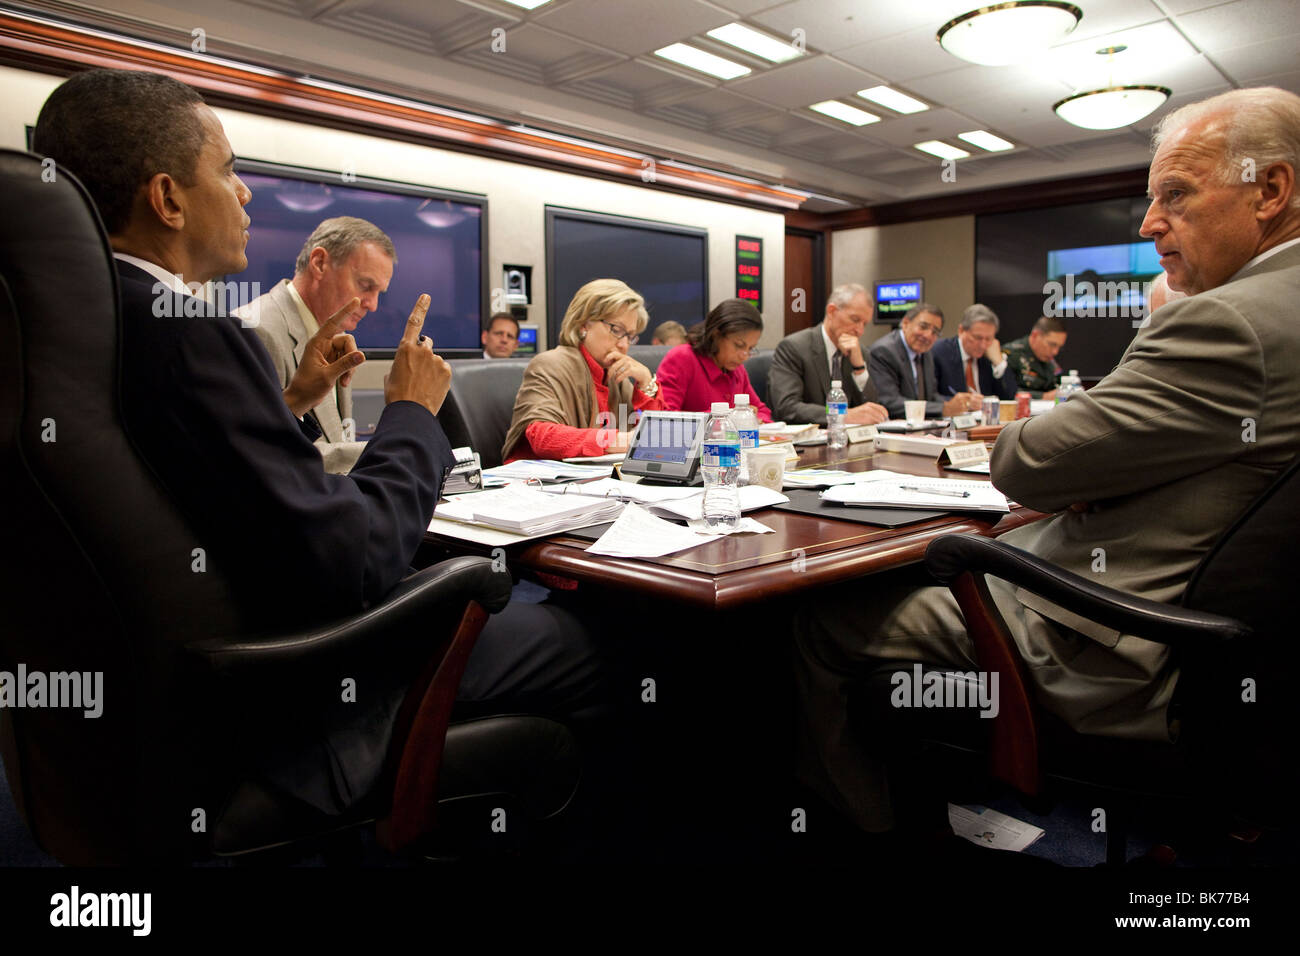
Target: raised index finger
<point x="334" y="323"/>
<point x="415" y="321"/>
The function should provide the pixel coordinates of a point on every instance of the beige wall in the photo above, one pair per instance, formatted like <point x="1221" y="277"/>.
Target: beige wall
<point x="940" y="251"/>
<point x="517" y="196"/>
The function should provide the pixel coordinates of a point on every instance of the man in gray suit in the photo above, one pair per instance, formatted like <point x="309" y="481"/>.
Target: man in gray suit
<point x="806" y="362"/>
<point x="903" y="368"/>
<point x="345" y="264"/>
<point x="1147" y="469"/>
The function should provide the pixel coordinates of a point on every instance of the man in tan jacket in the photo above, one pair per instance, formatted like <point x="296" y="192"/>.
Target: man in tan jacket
<point x="345" y="258"/>
<point x="1145" y="470"/>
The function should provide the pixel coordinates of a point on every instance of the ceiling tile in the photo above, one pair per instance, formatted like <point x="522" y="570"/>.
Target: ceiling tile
<point x="1234" y="25"/>
<point x="633" y="28"/>
<point x="804" y="81"/>
<point x="1108" y="16"/>
<point x="832" y="25"/>
<point x="1246" y="64"/>
<point x="917" y="127"/>
<point x="902" y="57"/>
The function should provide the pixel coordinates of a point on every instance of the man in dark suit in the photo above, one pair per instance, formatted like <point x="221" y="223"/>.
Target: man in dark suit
<point x="203" y="405"/>
<point x="903" y="368"/>
<point x="806" y="363"/>
<point x="972" y="360"/>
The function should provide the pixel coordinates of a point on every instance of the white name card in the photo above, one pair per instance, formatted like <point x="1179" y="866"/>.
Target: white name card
<point x="964" y="453"/>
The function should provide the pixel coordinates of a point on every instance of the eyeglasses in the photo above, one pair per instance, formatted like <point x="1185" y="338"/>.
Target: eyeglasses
<point x="927" y="328"/>
<point x="620" y="333"/>
<point x="744" y="349"/>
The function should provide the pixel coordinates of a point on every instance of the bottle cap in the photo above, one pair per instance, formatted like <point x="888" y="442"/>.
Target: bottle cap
<point x="742" y="399"/>
<point x="1074" y="372"/>
<point x="720" y="408"/>
<point x="835" y="383"/>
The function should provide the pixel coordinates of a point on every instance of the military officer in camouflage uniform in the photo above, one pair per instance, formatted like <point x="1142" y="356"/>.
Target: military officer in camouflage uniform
<point x="1032" y="358"/>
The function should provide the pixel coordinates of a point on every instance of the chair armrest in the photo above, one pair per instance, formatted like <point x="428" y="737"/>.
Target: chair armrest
<point x="952" y="555"/>
<point x="410" y="607"/>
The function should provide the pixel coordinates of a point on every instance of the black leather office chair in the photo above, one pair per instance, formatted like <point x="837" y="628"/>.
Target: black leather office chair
<point x="482" y="399"/>
<point x="1228" y="631"/>
<point x="756" y="367"/>
<point x="649" y="355"/>
<point x="103" y="581"/>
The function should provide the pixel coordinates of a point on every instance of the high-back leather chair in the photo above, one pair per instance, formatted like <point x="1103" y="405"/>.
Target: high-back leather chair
<point x="1228" y="640"/>
<point x="649" y="355"/>
<point x="482" y="400"/>
<point x="104" y="580"/>
<point x="756" y="367"/>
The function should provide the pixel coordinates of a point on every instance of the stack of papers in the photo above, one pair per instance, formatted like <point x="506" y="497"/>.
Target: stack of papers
<point x="820" y="478"/>
<point x="522" y="470"/>
<point x="780" y="431"/>
<point x="530" y="511"/>
<point x="945" y="494"/>
<point x="669" y="501"/>
<point x="639" y="534"/>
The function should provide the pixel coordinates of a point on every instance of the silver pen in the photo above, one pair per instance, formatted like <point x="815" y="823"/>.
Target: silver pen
<point x="936" y="491"/>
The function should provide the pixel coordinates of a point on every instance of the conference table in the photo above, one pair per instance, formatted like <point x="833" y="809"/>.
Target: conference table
<point x="804" y="552"/>
<point x="708" y="631"/>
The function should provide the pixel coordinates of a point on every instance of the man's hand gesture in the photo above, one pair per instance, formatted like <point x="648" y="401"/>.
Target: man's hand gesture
<point x="417" y="375"/>
<point x="331" y="355"/>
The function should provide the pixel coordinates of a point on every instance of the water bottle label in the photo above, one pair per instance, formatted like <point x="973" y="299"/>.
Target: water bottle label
<point x="720" y="455"/>
<point x="749" y="438"/>
<point x="837" y="408"/>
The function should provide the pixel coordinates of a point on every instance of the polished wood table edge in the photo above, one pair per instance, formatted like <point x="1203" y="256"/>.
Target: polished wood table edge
<point x="565" y="557"/>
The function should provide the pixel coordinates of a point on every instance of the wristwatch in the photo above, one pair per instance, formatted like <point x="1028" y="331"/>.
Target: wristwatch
<point x="651" y="390"/>
<point x="858" y="368"/>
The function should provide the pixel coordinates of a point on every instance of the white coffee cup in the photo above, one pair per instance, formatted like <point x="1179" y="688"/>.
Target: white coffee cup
<point x="914" y="411"/>
<point x="766" y="465"/>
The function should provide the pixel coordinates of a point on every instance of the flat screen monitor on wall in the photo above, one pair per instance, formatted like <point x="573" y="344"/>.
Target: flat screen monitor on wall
<point x="895" y="296"/>
<point x="666" y="263"/>
<point x="440" y="238"/>
<point x="1084" y="263"/>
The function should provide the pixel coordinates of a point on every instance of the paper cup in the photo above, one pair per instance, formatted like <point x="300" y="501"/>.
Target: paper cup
<point x="914" y="411"/>
<point x="766" y="465"/>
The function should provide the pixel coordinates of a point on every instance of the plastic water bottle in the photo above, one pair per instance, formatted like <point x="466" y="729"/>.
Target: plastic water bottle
<point x="1070" y="385"/>
<point x="837" y="406"/>
<point x="746" y="420"/>
<point x="720" y="462"/>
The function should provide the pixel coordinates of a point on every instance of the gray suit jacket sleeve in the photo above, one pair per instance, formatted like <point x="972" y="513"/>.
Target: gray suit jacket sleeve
<point x="786" y="389"/>
<point x="887" y="373"/>
<point x="1177" y="406"/>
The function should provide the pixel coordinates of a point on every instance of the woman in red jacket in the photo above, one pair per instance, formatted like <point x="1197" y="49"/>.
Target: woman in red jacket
<point x="577" y="399"/>
<point x="710" y="367"/>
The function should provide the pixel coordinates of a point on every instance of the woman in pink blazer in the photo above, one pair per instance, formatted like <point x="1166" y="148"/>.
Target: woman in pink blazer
<point x="710" y="366"/>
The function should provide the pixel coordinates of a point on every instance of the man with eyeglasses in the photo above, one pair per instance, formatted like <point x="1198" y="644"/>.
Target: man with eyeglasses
<point x="903" y="368"/>
<point x="805" y="364"/>
<point x="972" y="361"/>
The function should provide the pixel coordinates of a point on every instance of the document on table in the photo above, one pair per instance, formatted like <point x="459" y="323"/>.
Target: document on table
<point x="752" y="497"/>
<point x="828" y="477"/>
<point x="612" y="458"/>
<point x="949" y="494"/>
<point x="990" y="828"/>
<point x="667" y="500"/>
<point x="531" y="511"/>
<point x="743" y="526"/>
<point x="639" y="534"/>
<point x="980" y="468"/>
<point x="524" y="469"/>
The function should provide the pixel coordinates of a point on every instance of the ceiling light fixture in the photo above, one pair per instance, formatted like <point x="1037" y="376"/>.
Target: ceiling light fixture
<point x="941" y="149"/>
<point x="697" y="59"/>
<point x="845" y="113"/>
<point x="1114" y="105"/>
<point x="986" y="140"/>
<point x="1006" y="33"/>
<point x="752" y="41"/>
<point x="528" y="4"/>
<point x="894" y="100"/>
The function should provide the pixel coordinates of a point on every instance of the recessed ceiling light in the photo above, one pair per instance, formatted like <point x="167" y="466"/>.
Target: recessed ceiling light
<point x="936" y="148"/>
<point x="892" y="99"/>
<point x="697" y="59"/>
<point x="1005" y="33"/>
<point x="528" y="4"/>
<point x="752" y="41"/>
<point x="842" y="111"/>
<point x="986" y="140"/>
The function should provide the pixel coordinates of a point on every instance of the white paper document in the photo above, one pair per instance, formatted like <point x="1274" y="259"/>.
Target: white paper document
<point x="827" y="478"/>
<point x="979" y="468"/>
<point x="530" y="511"/>
<point x="639" y="534"/>
<point x="624" y="490"/>
<point x="941" y="494"/>
<point x="523" y="469"/>
<point x="752" y="497"/>
<point x="990" y="828"/>
<point x="743" y="526"/>
<point x="612" y="458"/>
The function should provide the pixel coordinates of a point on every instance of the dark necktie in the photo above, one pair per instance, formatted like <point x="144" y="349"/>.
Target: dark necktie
<point x="836" y="366"/>
<point x="920" y="378"/>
